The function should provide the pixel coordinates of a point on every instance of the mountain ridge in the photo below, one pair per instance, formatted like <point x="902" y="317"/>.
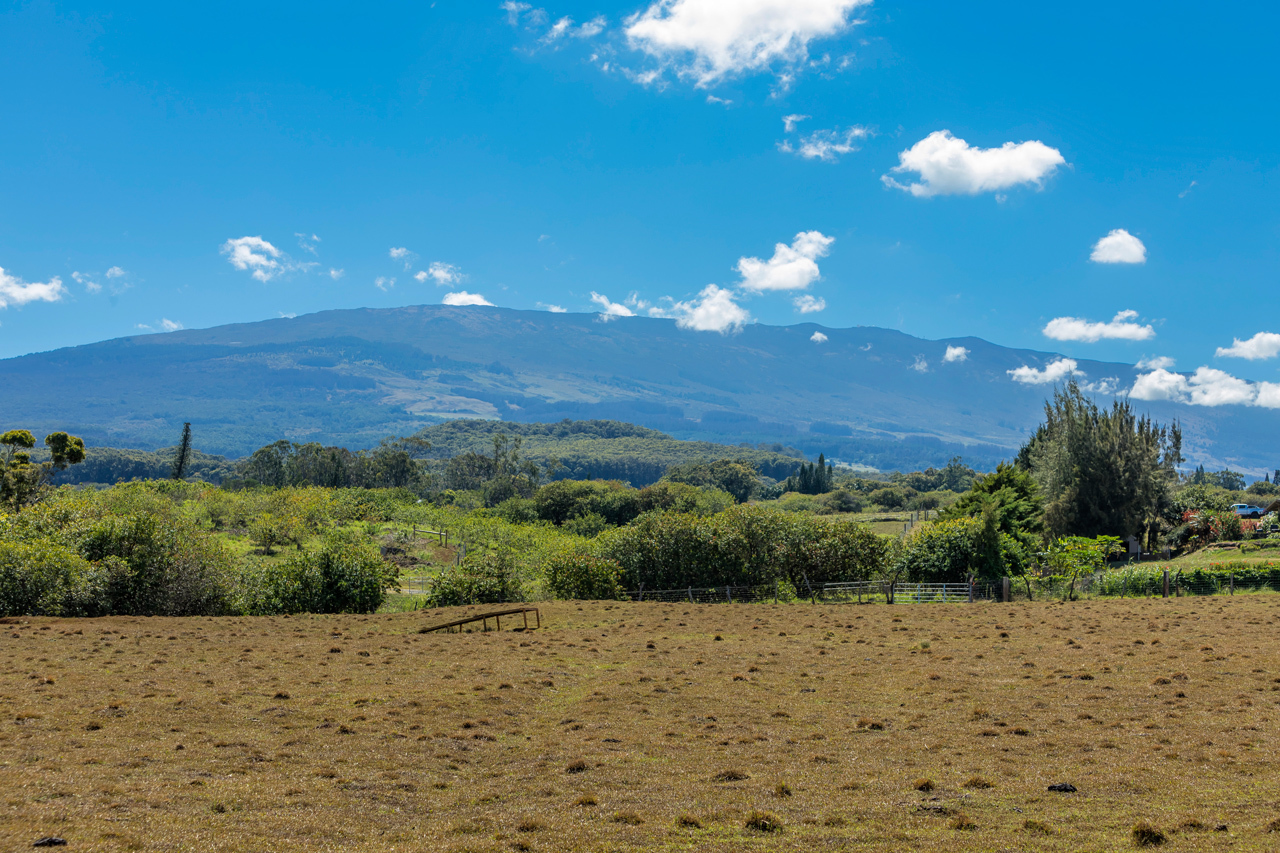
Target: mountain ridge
<point x="351" y="376"/>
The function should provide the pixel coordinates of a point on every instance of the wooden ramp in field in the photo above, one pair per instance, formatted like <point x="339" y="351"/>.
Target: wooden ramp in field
<point x="484" y="618"/>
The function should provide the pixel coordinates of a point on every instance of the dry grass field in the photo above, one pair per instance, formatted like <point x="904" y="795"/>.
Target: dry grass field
<point x="650" y="727"/>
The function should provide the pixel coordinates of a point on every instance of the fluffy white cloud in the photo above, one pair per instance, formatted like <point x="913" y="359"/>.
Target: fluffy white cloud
<point x="1206" y="387"/>
<point x="170" y="325"/>
<point x="398" y="254"/>
<point x="950" y="166"/>
<point x="920" y="365"/>
<point x="115" y="272"/>
<point x="1268" y="395"/>
<point x="15" y="291"/>
<point x="1161" y="362"/>
<point x="256" y="254"/>
<point x="464" y="298"/>
<point x="1121" y="327"/>
<point x="827" y="145"/>
<point x="554" y="309"/>
<point x="336" y="274"/>
<point x="1119" y="247"/>
<point x="708" y="40"/>
<point x="1054" y="371"/>
<point x="1260" y="346"/>
<point x="383" y="283"/>
<point x="610" y="310"/>
<point x="809" y="304"/>
<point x="713" y="311"/>
<point x="818" y="338"/>
<point x="792" y="267"/>
<point x="955" y="354"/>
<point x="440" y="273"/>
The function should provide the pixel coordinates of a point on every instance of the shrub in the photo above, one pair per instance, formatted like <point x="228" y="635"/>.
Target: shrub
<point x="484" y="579"/>
<point x="889" y="498"/>
<point x="347" y="575"/>
<point x="44" y="578"/>
<point x="759" y="821"/>
<point x="947" y="551"/>
<point x="582" y="576"/>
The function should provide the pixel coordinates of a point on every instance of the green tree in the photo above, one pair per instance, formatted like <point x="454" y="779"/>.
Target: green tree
<point x="184" y="454"/>
<point x="1012" y="496"/>
<point x="1102" y="471"/>
<point x="21" y="480"/>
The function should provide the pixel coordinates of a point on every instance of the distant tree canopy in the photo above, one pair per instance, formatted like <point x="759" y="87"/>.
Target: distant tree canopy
<point x="812" y="478"/>
<point x="1232" y="481"/>
<point x="955" y="477"/>
<point x="739" y="478"/>
<point x="392" y="464"/>
<point x="1101" y="471"/>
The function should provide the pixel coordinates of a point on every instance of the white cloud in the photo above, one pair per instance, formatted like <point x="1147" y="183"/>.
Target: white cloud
<point x="284" y="316"/>
<point x="1260" y="346"/>
<point x="792" y="267"/>
<point x="1119" y="247"/>
<point x="256" y="254"/>
<point x="1161" y="362"/>
<point x="920" y="365"/>
<point x="1054" y="371"/>
<point x="383" y="283"/>
<point x="336" y="274"/>
<point x="808" y="304"/>
<point x="708" y="40"/>
<point x="402" y="254"/>
<point x="789" y="122"/>
<point x="440" y="273"/>
<point x="115" y="272"/>
<point x="514" y="10"/>
<point x="1120" y="328"/>
<point x="307" y="244"/>
<point x="170" y="325"/>
<point x="712" y="99"/>
<point x="464" y="298"/>
<point x="827" y="144"/>
<point x="955" y="354"/>
<point x="818" y="338"/>
<point x="949" y="166"/>
<point x="1206" y="387"/>
<point x="713" y="311"/>
<point x="564" y="28"/>
<point x="610" y="309"/>
<point x="1268" y="395"/>
<point x="90" y="285"/>
<point x="554" y="309"/>
<point x="15" y="291"/>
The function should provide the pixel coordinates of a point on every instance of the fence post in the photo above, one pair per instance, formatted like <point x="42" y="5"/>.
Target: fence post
<point x="691" y="595"/>
<point x="1166" y="583"/>
<point x="1233" y="583"/>
<point x="1004" y="590"/>
<point x="969" y="583"/>
<point x="812" y="599"/>
<point x="641" y="596"/>
<point x="775" y="590"/>
<point x="728" y="593"/>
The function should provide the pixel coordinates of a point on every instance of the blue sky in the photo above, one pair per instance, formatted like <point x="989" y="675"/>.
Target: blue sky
<point x="533" y="155"/>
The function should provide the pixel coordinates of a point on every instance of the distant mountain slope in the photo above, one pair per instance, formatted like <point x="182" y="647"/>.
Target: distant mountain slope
<point x="353" y="376"/>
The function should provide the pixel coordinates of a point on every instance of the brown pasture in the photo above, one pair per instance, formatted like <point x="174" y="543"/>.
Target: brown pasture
<point x="624" y="727"/>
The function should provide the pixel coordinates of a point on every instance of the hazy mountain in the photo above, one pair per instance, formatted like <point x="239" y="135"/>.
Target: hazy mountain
<point x="349" y="377"/>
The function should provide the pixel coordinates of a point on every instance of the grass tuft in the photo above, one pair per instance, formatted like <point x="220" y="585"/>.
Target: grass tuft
<point x="963" y="822"/>
<point x="730" y="776"/>
<point x="978" y="783"/>
<point x="688" y="821"/>
<point x="627" y="818"/>
<point x="1146" y="835"/>
<point x="759" y="821"/>
<point x="922" y="784"/>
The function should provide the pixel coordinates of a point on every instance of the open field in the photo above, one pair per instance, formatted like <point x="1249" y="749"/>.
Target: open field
<point x="649" y="726"/>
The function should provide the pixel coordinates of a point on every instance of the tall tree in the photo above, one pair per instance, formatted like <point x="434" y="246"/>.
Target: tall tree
<point x="1101" y="471"/>
<point x="184" y="453"/>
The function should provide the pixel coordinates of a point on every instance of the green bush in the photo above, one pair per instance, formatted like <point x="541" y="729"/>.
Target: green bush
<point x="488" y="578"/>
<point x="582" y="576"/>
<point x="889" y="498"/>
<point x="948" y="551"/>
<point x="347" y="575"/>
<point x="43" y="578"/>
